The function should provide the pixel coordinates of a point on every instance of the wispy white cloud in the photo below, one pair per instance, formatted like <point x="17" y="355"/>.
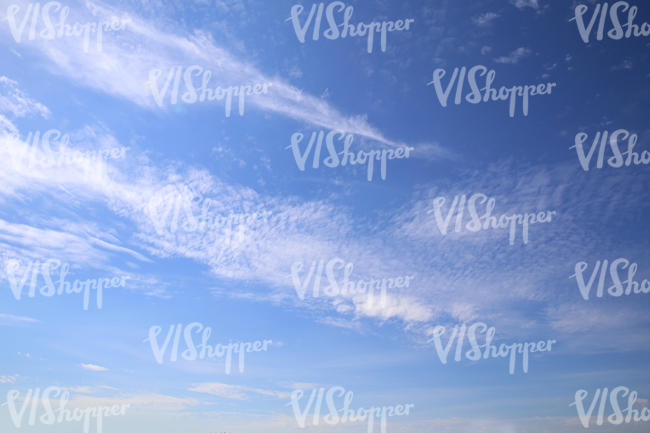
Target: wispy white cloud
<point x="258" y="251"/>
<point x="521" y="4"/>
<point x="485" y="19"/>
<point x="479" y="276"/>
<point x="8" y="379"/>
<point x="93" y="367"/>
<point x="79" y="389"/>
<point x="122" y="69"/>
<point x="140" y="403"/>
<point x="9" y="319"/>
<point x="16" y="102"/>
<point x="514" y="57"/>
<point x="235" y="392"/>
<point x="591" y="325"/>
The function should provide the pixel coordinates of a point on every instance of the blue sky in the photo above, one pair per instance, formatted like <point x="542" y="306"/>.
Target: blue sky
<point x="100" y="222"/>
